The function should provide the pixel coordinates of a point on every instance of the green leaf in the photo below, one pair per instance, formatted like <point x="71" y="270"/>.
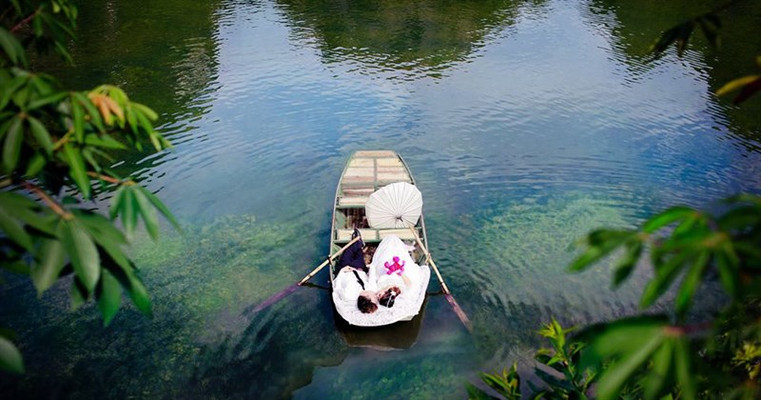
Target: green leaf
<point x="129" y="210"/>
<point x="740" y="217"/>
<point x="664" y="276"/>
<point x="116" y="202"/>
<point x="88" y="156"/>
<point x="150" y="218"/>
<point x="51" y="261"/>
<point x="40" y="134"/>
<point x="78" y="117"/>
<point x="667" y="217"/>
<point x="691" y="283"/>
<point x="728" y="273"/>
<point x="108" y="237"/>
<point x="627" y="262"/>
<point x="554" y="382"/>
<point x="82" y="252"/>
<point x="10" y="357"/>
<point x="12" y="47"/>
<point x="14" y="230"/>
<point x="12" y="145"/>
<point x="29" y="211"/>
<point x="104" y="141"/>
<point x="618" y="337"/>
<point x="617" y="374"/>
<point x="684" y="374"/>
<point x="46" y="100"/>
<point x="95" y="117"/>
<point x="78" y="294"/>
<point x="77" y="169"/>
<point x="475" y="393"/>
<point x="601" y="243"/>
<point x="139" y="295"/>
<point x="17" y="267"/>
<point x="109" y="295"/>
<point x="659" y="376"/>
<point x="35" y="165"/>
<point x="161" y="207"/>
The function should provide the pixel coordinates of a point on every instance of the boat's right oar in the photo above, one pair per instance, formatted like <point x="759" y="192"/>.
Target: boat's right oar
<point x="290" y="289"/>
<point x="456" y="307"/>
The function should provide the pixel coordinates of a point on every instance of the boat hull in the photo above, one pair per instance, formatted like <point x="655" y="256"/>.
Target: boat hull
<point x="366" y="172"/>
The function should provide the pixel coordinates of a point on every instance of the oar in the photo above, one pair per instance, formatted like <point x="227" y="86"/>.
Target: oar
<point x="290" y="289"/>
<point x="456" y="307"/>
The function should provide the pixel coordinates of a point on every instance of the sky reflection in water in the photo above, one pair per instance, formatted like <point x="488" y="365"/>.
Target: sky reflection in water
<point x="526" y="125"/>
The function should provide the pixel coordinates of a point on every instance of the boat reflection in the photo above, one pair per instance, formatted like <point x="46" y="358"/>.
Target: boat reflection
<point x="397" y="336"/>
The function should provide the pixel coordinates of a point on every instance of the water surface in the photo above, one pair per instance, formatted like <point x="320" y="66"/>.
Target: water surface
<point x="525" y="123"/>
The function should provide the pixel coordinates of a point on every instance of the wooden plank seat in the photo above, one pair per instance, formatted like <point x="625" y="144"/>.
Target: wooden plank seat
<point x="352" y="201"/>
<point x="374" y="235"/>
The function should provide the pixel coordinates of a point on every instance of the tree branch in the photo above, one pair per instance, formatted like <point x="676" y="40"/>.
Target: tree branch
<point x="48" y="200"/>
<point x="25" y="21"/>
<point x="110" y="179"/>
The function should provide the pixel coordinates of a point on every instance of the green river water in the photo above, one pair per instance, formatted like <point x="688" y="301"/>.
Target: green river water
<point x="525" y="123"/>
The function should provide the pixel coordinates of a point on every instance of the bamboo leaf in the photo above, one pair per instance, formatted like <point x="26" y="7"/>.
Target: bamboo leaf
<point x="82" y="252"/>
<point x="77" y="169"/>
<point x="116" y="202"/>
<point x="667" y="217"/>
<point x="10" y="357"/>
<point x="615" y="376"/>
<point x="150" y="218"/>
<point x="14" y="229"/>
<point x="78" y="294"/>
<point x="627" y="262"/>
<point x="691" y="282"/>
<point x="46" y="100"/>
<point x="51" y="261"/>
<point x="728" y="274"/>
<point x="139" y="295"/>
<point x="104" y="141"/>
<point x="40" y="134"/>
<point x="129" y="211"/>
<point x="78" y="117"/>
<point x="600" y="246"/>
<point x="12" y="145"/>
<point x="109" y="297"/>
<point x="682" y="355"/>
<point x="475" y="393"/>
<point x="92" y="111"/>
<point x="659" y="377"/>
<point x="664" y="277"/>
<point x="161" y="207"/>
<point x="12" y="47"/>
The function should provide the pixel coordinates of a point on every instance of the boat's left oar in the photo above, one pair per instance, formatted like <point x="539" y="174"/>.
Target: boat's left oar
<point x="456" y="307"/>
<point x="290" y="289"/>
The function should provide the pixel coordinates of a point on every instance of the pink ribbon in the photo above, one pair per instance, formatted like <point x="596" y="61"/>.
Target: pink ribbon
<point x="395" y="267"/>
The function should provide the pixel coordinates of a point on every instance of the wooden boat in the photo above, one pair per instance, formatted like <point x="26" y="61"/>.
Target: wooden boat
<point x="366" y="172"/>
